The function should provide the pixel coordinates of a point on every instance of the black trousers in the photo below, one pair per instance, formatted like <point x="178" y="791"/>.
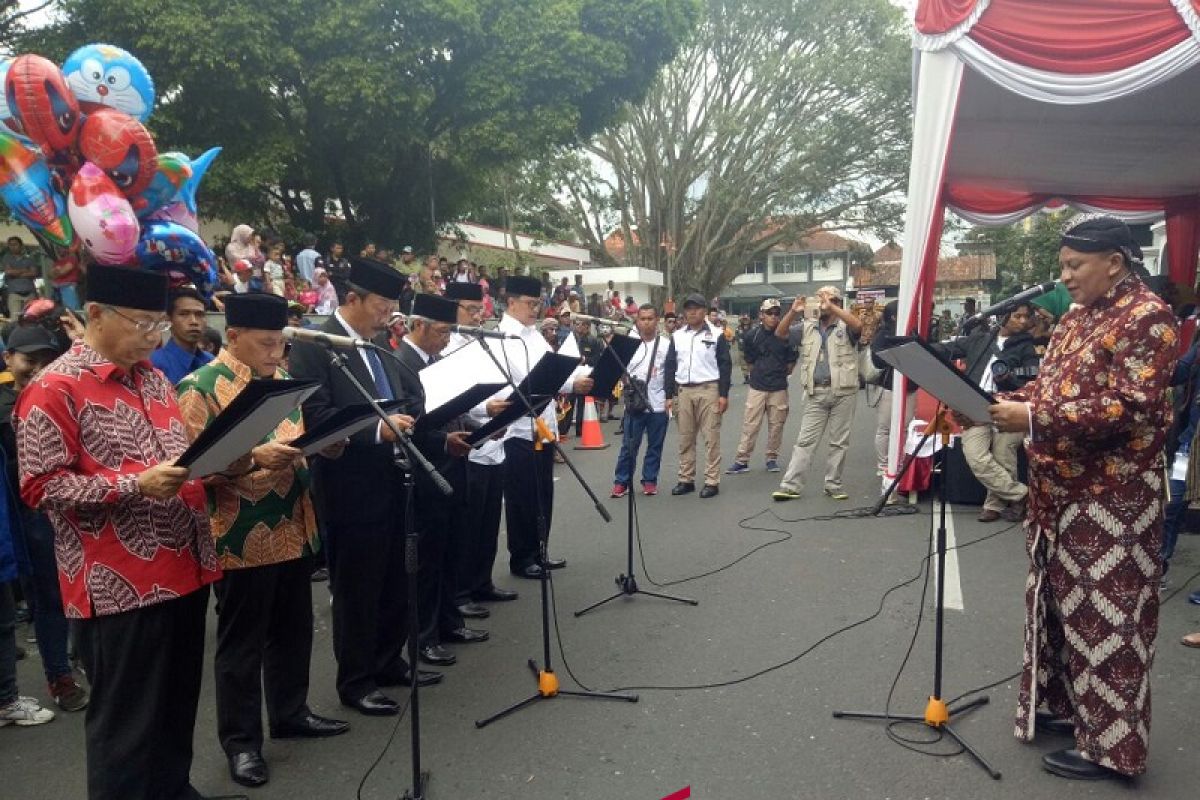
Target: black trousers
<point x="485" y="491"/>
<point x="144" y="667"/>
<point x="370" y="603"/>
<point x="439" y="544"/>
<point x="529" y="477"/>
<point x="264" y="643"/>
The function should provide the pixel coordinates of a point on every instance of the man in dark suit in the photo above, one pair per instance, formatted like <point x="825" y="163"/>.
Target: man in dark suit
<point x="361" y="500"/>
<point x="446" y="448"/>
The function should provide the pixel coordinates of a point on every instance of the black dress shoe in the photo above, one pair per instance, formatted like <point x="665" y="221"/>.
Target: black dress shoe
<point x="466" y="636"/>
<point x="556" y="563"/>
<point x="375" y="704"/>
<point x="472" y="611"/>
<point x="709" y="491"/>
<point x="437" y="655"/>
<point x="533" y="572"/>
<point x="1046" y="722"/>
<point x="425" y="677"/>
<point x="683" y="488"/>
<point x="310" y="726"/>
<point x="248" y="769"/>
<point x="319" y="575"/>
<point x="1071" y="764"/>
<point x="494" y="595"/>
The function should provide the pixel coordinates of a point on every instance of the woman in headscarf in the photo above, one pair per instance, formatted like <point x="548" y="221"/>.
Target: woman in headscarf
<point x="241" y="246"/>
<point x="1097" y="417"/>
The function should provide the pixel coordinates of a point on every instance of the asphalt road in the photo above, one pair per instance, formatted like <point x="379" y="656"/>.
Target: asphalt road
<point x="766" y="738"/>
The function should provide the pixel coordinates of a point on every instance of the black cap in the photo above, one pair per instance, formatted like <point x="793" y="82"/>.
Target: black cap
<point x="464" y="291"/>
<point x="695" y="299"/>
<point x="522" y="286"/>
<point x="438" y="309"/>
<point x="267" y="312"/>
<point x="127" y="287"/>
<point x="31" y="339"/>
<point x="376" y="277"/>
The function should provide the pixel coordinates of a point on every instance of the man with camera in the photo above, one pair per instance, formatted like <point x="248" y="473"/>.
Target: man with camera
<point x="645" y="407"/>
<point x="998" y="361"/>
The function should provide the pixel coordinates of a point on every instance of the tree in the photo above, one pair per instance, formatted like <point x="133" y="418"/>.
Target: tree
<point x="15" y="19"/>
<point x="387" y="115"/>
<point x="1027" y="251"/>
<point x="779" y="116"/>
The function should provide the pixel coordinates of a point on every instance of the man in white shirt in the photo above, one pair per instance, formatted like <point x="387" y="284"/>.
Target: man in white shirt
<point x="697" y="374"/>
<point x="529" y="483"/>
<point x="646" y="366"/>
<point x="306" y="259"/>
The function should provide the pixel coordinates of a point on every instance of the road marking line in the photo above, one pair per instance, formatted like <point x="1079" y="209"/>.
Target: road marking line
<point x="953" y="598"/>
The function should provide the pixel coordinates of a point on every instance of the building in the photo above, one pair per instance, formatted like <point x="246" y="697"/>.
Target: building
<point x="969" y="273"/>
<point x="791" y="269"/>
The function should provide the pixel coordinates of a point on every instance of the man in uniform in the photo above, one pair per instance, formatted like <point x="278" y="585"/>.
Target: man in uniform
<point x="529" y="482"/>
<point x="698" y="371"/>
<point x="360" y="498"/>
<point x="98" y="432"/>
<point x="262" y="520"/>
<point x="829" y="346"/>
<point x="439" y="519"/>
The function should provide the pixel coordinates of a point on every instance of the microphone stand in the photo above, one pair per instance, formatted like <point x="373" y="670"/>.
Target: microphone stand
<point x="627" y="583"/>
<point x="404" y="456"/>
<point x="547" y="681"/>
<point x="937" y="713"/>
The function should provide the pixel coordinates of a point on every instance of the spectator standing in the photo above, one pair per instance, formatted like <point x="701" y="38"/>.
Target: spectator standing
<point x="182" y="353"/>
<point x="306" y="259"/>
<point x="771" y="361"/>
<point x="698" y="373"/>
<point x="338" y="268"/>
<point x="829" y="345"/>
<point x="65" y="275"/>
<point x="242" y="246"/>
<point x="649" y="421"/>
<point x="20" y="273"/>
<point x="274" y="271"/>
<point x="327" y="299"/>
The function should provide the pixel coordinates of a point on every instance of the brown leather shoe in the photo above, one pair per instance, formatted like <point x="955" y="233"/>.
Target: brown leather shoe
<point x="1191" y="640"/>
<point x="988" y="515"/>
<point x="1015" y="512"/>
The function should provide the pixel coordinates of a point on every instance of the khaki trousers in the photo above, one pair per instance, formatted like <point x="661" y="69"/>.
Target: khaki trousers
<point x="883" y="424"/>
<point x="696" y="407"/>
<point x="775" y="406"/>
<point x="823" y="410"/>
<point x="992" y="456"/>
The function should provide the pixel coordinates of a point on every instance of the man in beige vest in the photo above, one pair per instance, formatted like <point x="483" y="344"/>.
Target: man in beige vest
<point x="829" y="353"/>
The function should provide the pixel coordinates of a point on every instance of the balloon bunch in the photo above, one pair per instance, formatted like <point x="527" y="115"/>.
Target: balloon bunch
<point x="80" y="170"/>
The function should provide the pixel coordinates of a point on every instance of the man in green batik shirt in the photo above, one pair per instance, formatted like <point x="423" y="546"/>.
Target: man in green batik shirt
<point x="265" y="531"/>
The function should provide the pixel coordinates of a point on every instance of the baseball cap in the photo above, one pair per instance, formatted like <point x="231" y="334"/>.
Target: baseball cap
<point x="695" y="299"/>
<point x="407" y="249"/>
<point x="31" y="339"/>
<point x="769" y="304"/>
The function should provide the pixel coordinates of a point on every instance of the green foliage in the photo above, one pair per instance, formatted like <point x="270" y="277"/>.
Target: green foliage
<point x="1026" y="252"/>
<point x="359" y="108"/>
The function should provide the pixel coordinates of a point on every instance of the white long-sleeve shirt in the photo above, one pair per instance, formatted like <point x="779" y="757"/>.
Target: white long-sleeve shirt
<point x="519" y="366"/>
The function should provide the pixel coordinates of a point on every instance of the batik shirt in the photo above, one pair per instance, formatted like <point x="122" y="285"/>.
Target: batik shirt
<point x="1099" y="406"/>
<point x="85" y="429"/>
<point x="265" y="516"/>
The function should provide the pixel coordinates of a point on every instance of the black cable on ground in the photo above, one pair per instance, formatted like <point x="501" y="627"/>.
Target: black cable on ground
<point x="386" y="745"/>
<point x="787" y="662"/>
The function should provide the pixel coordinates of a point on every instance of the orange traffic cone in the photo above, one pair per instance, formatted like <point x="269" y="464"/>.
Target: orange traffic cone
<point x="590" y="435"/>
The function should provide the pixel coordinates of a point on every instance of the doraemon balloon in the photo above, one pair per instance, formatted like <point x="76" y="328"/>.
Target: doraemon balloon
<point x="168" y="247"/>
<point x="103" y="75"/>
<point x="28" y="190"/>
<point x="103" y="219"/>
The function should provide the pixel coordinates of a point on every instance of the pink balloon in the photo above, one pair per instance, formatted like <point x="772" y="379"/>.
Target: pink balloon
<point x="177" y="212"/>
<point x="104" y="220"/>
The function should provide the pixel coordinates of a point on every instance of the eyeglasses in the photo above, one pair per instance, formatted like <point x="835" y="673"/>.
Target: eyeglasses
<point x="773" y="312"/>
<point x="143" y="325"/>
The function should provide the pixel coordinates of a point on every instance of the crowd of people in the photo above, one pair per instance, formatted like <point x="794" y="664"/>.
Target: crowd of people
<point x="118" y="546"/>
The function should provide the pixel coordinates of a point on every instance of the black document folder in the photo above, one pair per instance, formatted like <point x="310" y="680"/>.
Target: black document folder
<point x="540" y="386"/>
<point x="613" y="362"/>
<point x="343" y="424"/>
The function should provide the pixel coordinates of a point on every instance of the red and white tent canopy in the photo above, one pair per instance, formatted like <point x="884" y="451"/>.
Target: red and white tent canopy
<point x="1020" y="104"/>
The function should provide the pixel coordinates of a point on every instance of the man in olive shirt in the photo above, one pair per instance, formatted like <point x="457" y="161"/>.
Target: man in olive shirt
<point x="20" y="270"/>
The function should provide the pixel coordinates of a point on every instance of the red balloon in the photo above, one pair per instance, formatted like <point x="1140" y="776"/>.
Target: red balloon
<point x="43" y="105"/>
<point x="122" y="147"/>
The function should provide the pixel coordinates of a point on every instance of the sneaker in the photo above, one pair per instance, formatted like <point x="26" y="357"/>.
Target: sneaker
<point x="737" y="468"/>
<point x="1194" y="597"/>
<point x="1163" y="583"/>
<point x="772" y="465"/>
<point x="31" y="636"/>
<point x="24" y="711"/>
<point x="837" y="494"/>
<point x="782" y="494"/>
<point x="649" y="488"/>
<point x="619" y="490"/>
<point x="68" y="695"/>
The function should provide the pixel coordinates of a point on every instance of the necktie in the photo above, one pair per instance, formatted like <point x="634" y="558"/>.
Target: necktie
<point x="382" y="387"/>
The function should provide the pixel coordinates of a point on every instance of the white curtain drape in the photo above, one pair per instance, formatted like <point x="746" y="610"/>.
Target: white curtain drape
<point x="993" y="220"/>
<point x="935" y="101"/>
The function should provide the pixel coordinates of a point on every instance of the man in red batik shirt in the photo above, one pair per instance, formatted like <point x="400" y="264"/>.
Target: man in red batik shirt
<point x="97" y="435"/>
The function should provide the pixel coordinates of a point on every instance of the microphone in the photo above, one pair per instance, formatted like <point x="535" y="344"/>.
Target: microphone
<point x="482" y="333"/>
<point x="599" y="321"/>
<point x="326" y="339"/>
<point x="1020" y="298"/>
